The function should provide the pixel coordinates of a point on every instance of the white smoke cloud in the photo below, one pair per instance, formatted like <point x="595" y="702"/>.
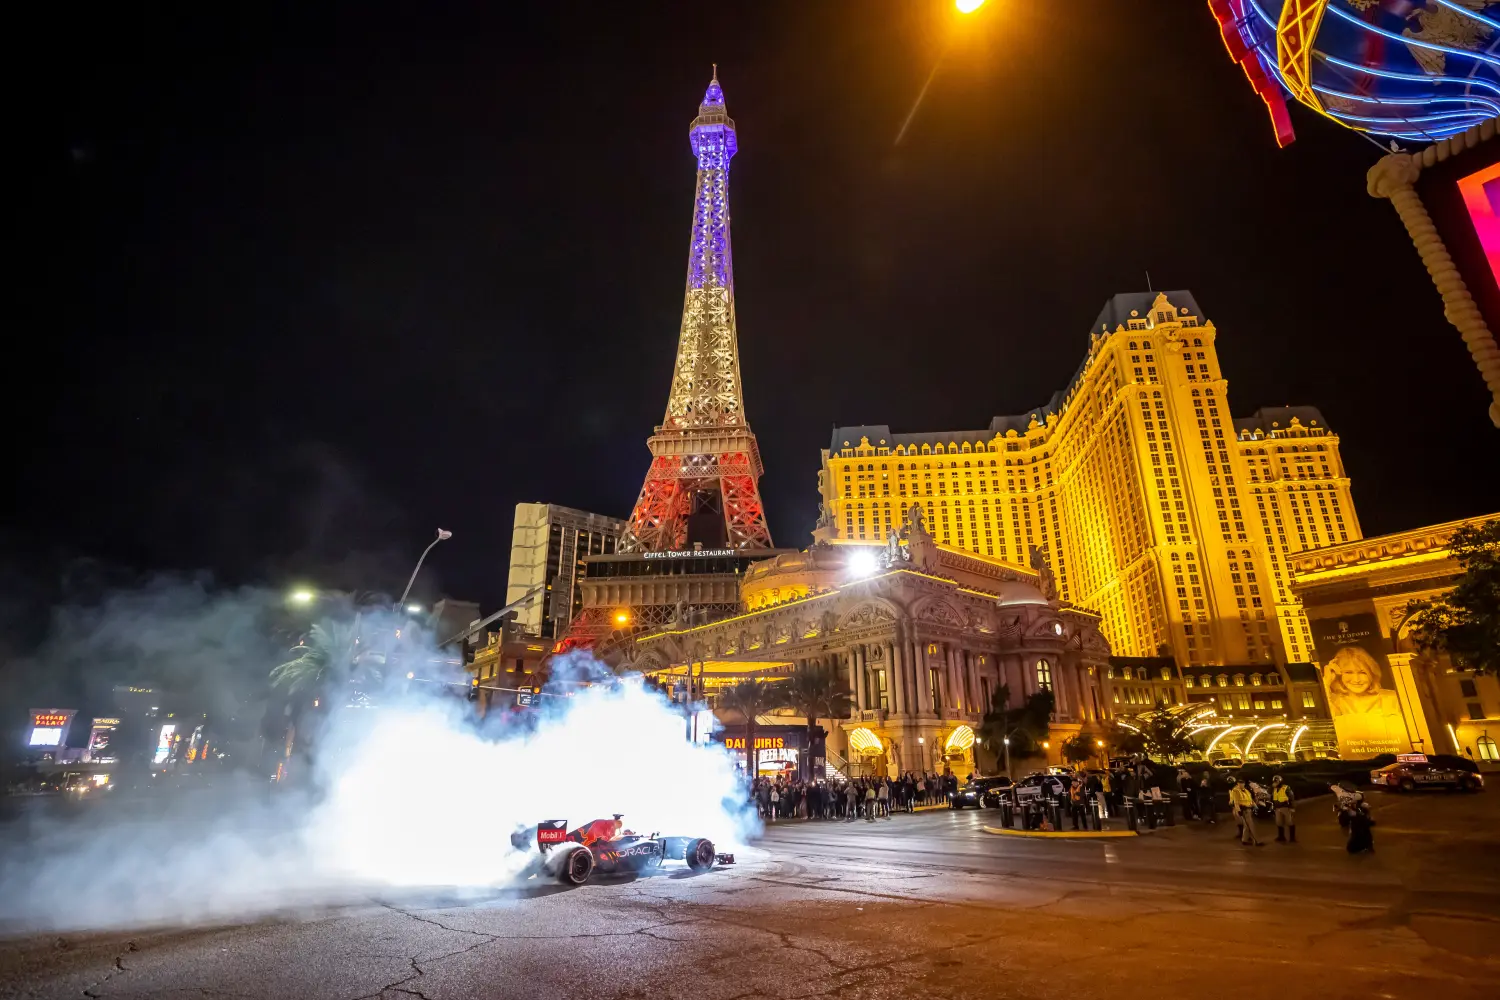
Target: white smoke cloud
<point x="422" y="800"/>
<point x="410" y="793"/>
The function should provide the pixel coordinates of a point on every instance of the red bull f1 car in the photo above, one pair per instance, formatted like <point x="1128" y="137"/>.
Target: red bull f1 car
<point x="607" y="847"/>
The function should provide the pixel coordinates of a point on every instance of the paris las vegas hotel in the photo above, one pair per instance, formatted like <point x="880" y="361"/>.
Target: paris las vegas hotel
<point x="1155" y="507"/>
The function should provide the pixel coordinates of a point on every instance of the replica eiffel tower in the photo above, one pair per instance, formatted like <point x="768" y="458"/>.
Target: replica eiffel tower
<point x="699" y="522"/>
<point x="701" y="488"/>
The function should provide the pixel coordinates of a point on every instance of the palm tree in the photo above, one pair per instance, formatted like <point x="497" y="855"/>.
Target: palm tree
<point x="817" y="692"/>
<point x="750" y="698"/>
<point x="326" y="657"/>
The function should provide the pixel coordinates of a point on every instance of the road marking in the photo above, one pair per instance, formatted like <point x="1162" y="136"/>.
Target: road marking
<point x="1109" y="854"/>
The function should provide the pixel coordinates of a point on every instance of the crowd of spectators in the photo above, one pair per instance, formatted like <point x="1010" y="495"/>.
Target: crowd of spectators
<point x="869" y="798"/>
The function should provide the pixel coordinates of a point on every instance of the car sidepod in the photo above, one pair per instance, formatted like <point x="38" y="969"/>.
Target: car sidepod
<point x="632" y="854"/>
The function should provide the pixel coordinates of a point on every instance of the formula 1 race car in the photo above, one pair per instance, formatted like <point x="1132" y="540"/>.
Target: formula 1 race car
<point x="606" y="846"/>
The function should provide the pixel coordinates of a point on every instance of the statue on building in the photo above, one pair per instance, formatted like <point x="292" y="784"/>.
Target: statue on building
<point x="921" y="550"/>
<point x="895" y="553"/>
<point x="1045" y="580"/>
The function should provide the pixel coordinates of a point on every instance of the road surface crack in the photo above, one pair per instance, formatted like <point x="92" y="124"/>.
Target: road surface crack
<point x="117" y="969"/>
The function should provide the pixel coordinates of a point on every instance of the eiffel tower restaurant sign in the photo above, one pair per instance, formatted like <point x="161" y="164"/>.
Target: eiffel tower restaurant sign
<point x="691" y="554"/>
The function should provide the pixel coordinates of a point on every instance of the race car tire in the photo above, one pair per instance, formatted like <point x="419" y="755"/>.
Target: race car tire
<point x="1407" y="785"/>
<point x="573" y="867"/>
<point x="1467" y="785"/>
<point x="700" y="854"/>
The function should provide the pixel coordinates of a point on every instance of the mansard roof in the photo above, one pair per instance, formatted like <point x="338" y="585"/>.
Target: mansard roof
<point x="1121" y="309"/>
<point x="1269" y="419"/>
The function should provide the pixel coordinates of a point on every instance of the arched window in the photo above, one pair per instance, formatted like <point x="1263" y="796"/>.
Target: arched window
<point x="1487" y="748"/>
<point x="1255" y="680"/>
<point x="1197" y="342"/>
<point x="1223" y="680"/>
<point x="1187" y="680"/>
<point x="1239" y="680"/>
<point x="1273" y="679"/>
<point x="1044" y="674"/>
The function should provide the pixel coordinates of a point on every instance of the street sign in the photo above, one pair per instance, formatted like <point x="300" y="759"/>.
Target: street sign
<point x="523" y="699"/>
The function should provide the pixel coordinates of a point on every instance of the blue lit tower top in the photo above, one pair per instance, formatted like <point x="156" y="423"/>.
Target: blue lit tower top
<point x="706" y="379"/>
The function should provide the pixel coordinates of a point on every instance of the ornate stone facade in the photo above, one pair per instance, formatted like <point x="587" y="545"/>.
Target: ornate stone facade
<point x="923" y="632"/>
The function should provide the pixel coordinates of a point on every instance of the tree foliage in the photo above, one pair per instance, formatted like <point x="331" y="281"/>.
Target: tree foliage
<point x="1465" y="622"/>
<point x="1078" y="748"/>
<point x="815" y="692"/>
<point x="1026" y="725"/>
<point x="750" y="698"/>
<point x="1159" y="734"/>
<point x="329" y="658"/>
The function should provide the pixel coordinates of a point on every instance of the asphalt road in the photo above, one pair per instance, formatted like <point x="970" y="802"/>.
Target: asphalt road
<point x="922" y="906"/>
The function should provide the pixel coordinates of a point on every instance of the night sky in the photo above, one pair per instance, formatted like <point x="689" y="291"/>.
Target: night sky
<point x="319" y="279"/>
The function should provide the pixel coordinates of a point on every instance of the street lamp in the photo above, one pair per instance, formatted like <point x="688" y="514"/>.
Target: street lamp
<point x="442" y="536"/>
<point x="1007" y="756"/>
<point x="301" y="596"/>
<point x="964" y="7"/>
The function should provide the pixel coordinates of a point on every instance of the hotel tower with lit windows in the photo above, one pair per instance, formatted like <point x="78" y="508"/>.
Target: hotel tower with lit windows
<point x="1152" y="504"/>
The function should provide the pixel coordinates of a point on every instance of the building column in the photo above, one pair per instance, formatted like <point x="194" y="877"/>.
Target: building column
<point x="971" y="682"/>
<point x="846" y="658"/>
<point x="1419" y="733"/>
<point x="898" y="696"/>
<point x="919" y="676"/>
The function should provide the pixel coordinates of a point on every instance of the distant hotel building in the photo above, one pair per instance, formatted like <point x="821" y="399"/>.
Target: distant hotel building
<point x="547" y="547"/>
<point x="1155" y="507"/>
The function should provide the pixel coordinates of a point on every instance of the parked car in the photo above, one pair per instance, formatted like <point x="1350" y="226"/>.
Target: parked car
<point x="1039" y="785"/>
<point x="981" y="792"/>
<point x="1408" y="776"/>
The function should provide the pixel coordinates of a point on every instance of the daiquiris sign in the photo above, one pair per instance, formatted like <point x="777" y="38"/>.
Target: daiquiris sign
<point x="691" y="554"/>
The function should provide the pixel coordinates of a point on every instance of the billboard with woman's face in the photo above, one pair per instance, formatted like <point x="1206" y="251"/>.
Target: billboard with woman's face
<point x="1360" y="686"/>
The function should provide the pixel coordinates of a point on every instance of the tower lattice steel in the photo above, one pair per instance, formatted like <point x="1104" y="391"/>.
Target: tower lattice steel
<point x="704" y="459"/>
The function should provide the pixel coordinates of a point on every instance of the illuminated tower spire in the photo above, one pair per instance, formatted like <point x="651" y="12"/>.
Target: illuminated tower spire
<point x="705" y="462"/>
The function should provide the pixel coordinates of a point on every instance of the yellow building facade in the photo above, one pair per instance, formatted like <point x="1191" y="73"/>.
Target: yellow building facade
<point x="1148" y="501"/>
<point x="1356" y="595"/>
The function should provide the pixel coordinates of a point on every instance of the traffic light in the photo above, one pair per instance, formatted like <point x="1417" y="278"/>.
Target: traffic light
<point x="474" y="689"/>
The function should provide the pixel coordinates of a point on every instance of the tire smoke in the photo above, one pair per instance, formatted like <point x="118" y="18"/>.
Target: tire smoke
<point x="404" y="788"/>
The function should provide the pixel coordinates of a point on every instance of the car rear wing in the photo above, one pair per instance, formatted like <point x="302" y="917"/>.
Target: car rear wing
<point x="550" y="832"/>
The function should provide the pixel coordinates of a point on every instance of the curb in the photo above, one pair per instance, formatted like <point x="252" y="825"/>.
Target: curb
<point x="1059" y="834"/>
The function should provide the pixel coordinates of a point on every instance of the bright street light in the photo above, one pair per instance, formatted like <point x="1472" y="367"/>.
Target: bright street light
<point x="862" y="563"/>
<point x="968" y="6"/>
<point x="415" y="609"/>
<point x="622" y="617"/>
<point x="301" y="597"/>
